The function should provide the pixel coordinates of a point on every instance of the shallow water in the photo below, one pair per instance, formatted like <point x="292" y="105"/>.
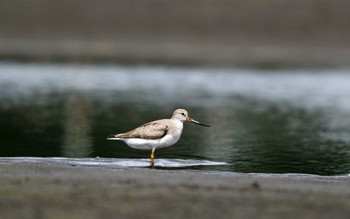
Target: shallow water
<point x="295" y="121"/>
<point x="114" y="162"/>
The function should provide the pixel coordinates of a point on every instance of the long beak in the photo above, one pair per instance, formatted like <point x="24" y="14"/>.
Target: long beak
<point x="188" y="119"/>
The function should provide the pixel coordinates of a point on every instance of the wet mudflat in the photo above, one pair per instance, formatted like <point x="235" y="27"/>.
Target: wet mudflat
<point x="45" y="190"/>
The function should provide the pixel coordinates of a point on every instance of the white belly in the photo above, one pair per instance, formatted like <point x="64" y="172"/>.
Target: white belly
<point x="149" y="144"/>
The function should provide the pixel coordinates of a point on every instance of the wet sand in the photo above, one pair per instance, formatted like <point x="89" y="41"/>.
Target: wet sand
<point x="48" y="190"/>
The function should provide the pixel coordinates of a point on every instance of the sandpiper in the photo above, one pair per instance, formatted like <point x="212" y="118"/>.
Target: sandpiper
<point x="157" y="134"/>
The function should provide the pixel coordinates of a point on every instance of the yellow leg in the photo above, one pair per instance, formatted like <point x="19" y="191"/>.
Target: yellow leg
<point x="152" y="158"/>
<point x="152" y="155"/>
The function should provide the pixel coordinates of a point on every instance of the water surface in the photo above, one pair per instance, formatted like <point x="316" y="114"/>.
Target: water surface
<point x="295" y="121"/>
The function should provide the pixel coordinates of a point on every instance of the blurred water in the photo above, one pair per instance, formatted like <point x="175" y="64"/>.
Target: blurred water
<point x="295" y="121"/>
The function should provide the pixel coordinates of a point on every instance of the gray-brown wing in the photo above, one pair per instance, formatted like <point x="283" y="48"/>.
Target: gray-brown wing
<point x="152" y="130"/>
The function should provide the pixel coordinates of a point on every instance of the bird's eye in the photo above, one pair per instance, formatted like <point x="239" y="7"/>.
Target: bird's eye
<point x="183" y="114"/>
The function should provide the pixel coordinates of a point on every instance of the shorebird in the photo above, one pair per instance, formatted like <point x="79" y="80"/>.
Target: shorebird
<point x="157" y="134"/>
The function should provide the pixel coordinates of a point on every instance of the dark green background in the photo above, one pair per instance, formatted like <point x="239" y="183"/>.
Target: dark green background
<point x="252" y="131"/>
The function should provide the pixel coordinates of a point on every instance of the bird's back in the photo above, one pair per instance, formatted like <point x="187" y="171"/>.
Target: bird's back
<point x="152" y="130"/>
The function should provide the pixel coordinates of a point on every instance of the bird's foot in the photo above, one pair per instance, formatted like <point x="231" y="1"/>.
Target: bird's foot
<point x="152" y="164"/>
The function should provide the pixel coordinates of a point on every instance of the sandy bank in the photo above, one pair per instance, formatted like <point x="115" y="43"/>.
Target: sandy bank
<point x="43" y="190"/>
<point x="268" y="33"/>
